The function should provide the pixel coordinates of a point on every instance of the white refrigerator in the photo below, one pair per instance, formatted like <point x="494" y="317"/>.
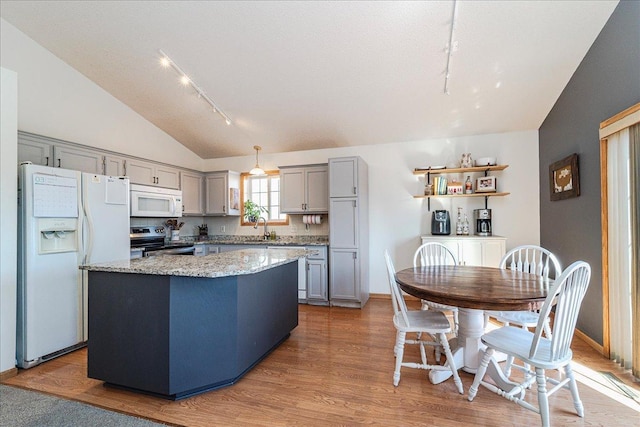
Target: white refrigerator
<point x="65" y="218"/>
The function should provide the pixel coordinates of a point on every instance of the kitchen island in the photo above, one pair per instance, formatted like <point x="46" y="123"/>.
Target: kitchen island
<point x="175" y="326"/>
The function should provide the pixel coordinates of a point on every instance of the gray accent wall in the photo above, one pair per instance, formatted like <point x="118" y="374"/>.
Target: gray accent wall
<point x="606" y="82"/>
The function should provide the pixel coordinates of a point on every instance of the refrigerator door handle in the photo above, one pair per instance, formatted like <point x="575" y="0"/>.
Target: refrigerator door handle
<point x="87" y="246"/>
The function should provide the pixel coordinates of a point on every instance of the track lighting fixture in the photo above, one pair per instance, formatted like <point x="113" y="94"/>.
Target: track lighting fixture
<point x="167" y="62"/>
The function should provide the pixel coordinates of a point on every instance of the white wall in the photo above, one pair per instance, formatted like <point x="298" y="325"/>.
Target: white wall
<point x="8" y="217"/>
<point x="59" y="102"/>
<point x="397" y="219"/>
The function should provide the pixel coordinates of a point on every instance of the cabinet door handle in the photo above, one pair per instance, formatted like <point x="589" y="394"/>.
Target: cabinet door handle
<point x="47" y="158"/>
<point x="124" y="168"/>
<point x="354" y="190"/>
<point x="59" y="163"/>
<point x="224" y="208"/>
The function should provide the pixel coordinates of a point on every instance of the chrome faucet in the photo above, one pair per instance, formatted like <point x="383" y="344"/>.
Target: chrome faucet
<point x="265" y="235"/>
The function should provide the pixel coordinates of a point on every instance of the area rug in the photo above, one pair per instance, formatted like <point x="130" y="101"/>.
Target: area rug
<point x="25" y="408"/>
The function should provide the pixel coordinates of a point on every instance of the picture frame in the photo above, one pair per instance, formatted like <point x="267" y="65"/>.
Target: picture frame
<point x="234" y="198"/>
<point x="486" y="184"/>
<point x="564" y="179"/>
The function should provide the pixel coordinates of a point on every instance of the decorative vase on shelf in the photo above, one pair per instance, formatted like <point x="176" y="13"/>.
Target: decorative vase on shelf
<point x="466" y="161"/>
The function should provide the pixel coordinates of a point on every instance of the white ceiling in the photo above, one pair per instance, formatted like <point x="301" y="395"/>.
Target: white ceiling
<point x="307" y="75"/>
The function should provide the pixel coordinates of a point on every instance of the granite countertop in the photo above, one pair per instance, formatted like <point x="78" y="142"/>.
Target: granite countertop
<point x="234" y="263"/>
<point x="253" y="240"/>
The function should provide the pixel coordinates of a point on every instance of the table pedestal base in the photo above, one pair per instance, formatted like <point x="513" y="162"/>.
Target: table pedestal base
<point x="468" y="350"/>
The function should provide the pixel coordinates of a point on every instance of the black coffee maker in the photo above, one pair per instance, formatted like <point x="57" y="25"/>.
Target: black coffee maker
<point x="440" y="222"/>
<point x="483" y="222"/>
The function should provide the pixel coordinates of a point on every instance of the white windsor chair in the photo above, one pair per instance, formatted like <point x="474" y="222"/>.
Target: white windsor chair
<point x="542" y="353"/>
<point x="420" y="322"/>
<point x="434" y="253"/>
<point x="530" y="259"/>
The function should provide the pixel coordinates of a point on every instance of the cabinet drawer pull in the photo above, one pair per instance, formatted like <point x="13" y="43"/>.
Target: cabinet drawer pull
<point x="47" y="158"/>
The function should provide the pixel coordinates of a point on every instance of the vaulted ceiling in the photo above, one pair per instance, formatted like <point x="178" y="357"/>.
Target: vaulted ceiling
<point x="306" y="75"/>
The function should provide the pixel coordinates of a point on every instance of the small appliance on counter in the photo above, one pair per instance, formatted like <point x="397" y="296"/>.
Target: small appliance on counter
<point x="482" y="219"/>
<point x="440" y="222"/>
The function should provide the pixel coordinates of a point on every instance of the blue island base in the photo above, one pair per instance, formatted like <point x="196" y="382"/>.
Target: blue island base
<point x="176" y="336"/>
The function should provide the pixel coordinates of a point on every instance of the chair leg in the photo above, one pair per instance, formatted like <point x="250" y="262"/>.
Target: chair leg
<point x="451" y="362"/>
<point x="543" y="400"/>
<point x="482" y="369"/>
<point x="395" y="346"/>
<point x="455" y="322"/>
<point x="400" y="353"/>
<point x="507" y="366"/>
<point x="573" y="386"/>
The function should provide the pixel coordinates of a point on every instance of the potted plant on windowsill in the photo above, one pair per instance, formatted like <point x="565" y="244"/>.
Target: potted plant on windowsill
<point x="252" y="211"/>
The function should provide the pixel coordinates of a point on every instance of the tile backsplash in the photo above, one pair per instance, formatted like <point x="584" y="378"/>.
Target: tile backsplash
<point x="230" y="226"/>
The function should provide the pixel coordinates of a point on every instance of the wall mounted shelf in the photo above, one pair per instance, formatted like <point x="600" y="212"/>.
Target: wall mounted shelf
<point x="485" y="169"/>
<point x="481" y="169"/>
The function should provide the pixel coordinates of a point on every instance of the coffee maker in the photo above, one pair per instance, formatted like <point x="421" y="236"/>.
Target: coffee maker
<point x="440" y="222"/>
<point x="482" y="219"/>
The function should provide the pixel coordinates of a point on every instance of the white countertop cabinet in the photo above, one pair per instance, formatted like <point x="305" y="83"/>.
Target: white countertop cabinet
<point x="473" y="250"/>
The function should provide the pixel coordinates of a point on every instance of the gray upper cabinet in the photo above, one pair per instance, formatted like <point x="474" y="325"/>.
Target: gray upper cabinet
<point x="304" y="189"/>
<point x="147" y="173"/>
<point x="343" y="180"/>
<point x="221" y="189"/>
<point x="78" y="159"/>
<point x="114" y="165"/>
<point x="192" y="186"/>
<point x="44" y="151"/>
<point x="34" y="150"/>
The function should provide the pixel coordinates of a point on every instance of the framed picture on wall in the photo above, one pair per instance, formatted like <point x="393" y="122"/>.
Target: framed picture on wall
<point x="486" y="184"/>
<point x="564" y="181"/>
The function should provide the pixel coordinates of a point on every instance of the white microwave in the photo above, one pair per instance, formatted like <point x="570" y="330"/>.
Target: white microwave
<point x="149" y="201"/>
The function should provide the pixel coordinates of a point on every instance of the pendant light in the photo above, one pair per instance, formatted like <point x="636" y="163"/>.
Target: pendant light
<point x="257" y="170"/>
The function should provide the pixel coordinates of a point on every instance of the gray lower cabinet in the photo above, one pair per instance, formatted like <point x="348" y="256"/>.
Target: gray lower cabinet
<point x="345" y="277"/>
<point x="317" y="278"/>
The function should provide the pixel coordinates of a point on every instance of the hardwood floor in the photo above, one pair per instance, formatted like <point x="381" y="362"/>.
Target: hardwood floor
<point x="337" y="369"/>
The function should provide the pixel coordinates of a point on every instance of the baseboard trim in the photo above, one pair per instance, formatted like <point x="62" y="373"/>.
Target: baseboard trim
<point x="379" y="296"/>
<point x="8" y="374"/>
<point x="584" y="337"/>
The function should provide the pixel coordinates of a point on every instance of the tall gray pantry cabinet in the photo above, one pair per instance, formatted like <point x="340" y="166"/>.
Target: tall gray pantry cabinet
<point x="348" y="232"/>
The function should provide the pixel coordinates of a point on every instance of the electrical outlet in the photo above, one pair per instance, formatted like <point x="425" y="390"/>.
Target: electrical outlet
<point x="223" y="229"/>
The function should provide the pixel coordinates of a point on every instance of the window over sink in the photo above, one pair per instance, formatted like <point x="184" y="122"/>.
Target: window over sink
<point x="265" y="191"/>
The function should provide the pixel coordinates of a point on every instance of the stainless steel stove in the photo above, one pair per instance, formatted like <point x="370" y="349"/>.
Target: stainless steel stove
<point x="151" y="239"/>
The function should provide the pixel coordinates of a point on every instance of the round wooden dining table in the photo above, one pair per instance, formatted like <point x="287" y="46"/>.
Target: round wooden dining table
<point x="473" y="290"/>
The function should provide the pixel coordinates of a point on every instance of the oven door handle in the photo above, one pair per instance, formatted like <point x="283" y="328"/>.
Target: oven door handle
<point x="189" y="250"/>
